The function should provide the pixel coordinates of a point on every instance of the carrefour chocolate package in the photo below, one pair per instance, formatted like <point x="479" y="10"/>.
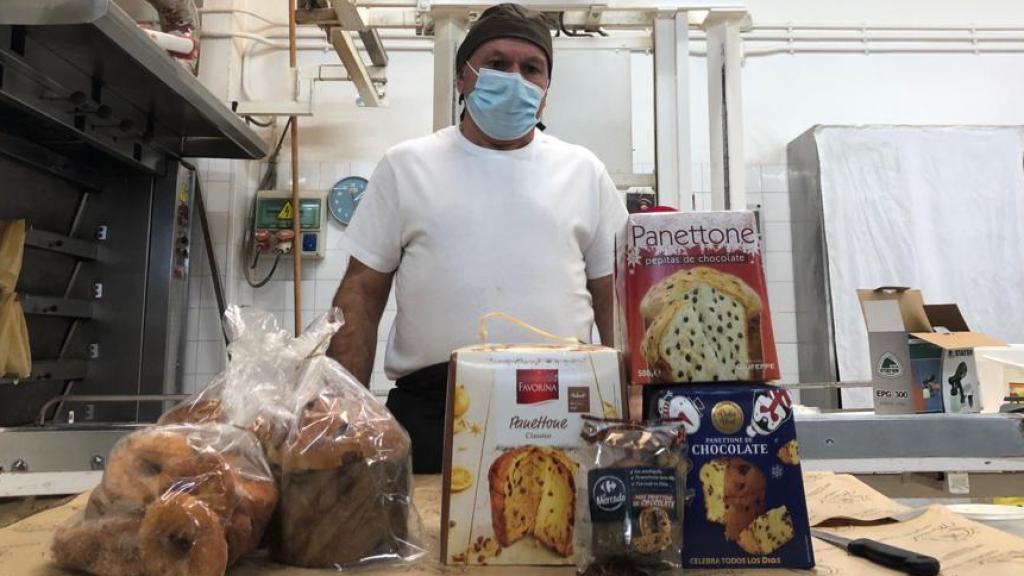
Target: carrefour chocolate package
<point x="748" y="508"/>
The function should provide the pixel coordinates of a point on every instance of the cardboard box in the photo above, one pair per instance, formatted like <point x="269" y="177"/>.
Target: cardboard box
<point x="922" y="356"/>
<point x="748" y="509"/>
<point x="692" y="301"/>
<point x="513" y="422"/>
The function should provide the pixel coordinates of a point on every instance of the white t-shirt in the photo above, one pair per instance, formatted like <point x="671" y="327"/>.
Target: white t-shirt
<point x="472" y="230"/>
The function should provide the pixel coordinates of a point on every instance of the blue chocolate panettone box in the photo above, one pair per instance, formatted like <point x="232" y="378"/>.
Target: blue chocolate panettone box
<point x="748" y="508"/>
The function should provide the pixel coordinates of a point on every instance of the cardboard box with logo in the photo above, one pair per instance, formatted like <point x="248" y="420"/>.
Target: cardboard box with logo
<point x="922" y="356"/>
<point x="748" y="508"/>
<point x="512" y="448"/>
<point x="692" y="299"/>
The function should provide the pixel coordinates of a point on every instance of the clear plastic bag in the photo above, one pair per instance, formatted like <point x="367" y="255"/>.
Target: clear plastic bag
<point x="633" y="490"/>
<point x="346" y="477"/>
<point x="180" y="499"/>
<point x="255" y="390"/>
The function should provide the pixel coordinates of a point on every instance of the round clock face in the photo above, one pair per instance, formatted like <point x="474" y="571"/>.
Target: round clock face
<point x="345" y="197"/>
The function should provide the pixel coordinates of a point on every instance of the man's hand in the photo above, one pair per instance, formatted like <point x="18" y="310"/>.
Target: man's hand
<point x="602" y="292"/>
<point x="362" y="296"/>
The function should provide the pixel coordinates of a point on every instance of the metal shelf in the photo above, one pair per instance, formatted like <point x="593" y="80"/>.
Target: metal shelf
<point x="53" y="370"/>
<point x="65" y="46"/>
<point x="51" y="242"/>
<point x="63" y="307"/>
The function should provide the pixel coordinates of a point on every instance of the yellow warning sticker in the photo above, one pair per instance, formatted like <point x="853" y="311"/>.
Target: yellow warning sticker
<point x="286" y="211"/>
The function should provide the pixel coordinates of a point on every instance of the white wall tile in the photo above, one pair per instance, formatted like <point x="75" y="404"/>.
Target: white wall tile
<point x="696" y="178"/>
<point x="334" y="265"/>
<point x="784" y="325"/>
<point x="774" y="178"/>
<point x="332" y="171"/>
<point x="210" y="326"/>
<point x="778" y="237"/>
<point x="754" y="200"/>
<point x="208" y="297"/>
<point x="190" y="356"/>
<point x="218" y="170"/>
<point x="325" y="290"/>
<point x="705" y="176"/>
<point x="778" y="266"/>
<point x="776" y="207"/>
<point x="753" y="178"/>
<point x="335" y="235"/>
<point x="188" y="383"/>
<point x="192" y="323"/>
<point x="243" y="293"/>
<point x="308" y="295"/>
<point x="217" y="196"/>
<point x="362" y="168"/>
<point x="270" y="296"/>
<point x="218" y="227"/>
<point x="781" y="296"/>
<point x="210" y="357"/>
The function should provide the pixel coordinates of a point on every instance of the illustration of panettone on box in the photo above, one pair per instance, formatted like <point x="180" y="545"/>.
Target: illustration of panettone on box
<point x="734" y="495"/>
<point x="533" y="491"/>
<point x="768" y="532"/>
<point x="702" y="325"/>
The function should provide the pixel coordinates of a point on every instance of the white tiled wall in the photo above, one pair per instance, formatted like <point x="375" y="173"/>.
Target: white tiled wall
<point x="230" y="186"/>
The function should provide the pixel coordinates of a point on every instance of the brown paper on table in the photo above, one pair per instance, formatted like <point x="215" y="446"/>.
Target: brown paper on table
<point x="841" y="496"/>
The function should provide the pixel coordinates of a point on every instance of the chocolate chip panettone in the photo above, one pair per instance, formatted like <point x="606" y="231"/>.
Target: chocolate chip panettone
<point x="703" y="325"/>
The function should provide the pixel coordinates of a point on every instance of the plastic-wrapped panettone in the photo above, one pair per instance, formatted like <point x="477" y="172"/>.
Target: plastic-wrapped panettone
<point x="256" y="388"/>
<point x="187" y="499"/>
<point x="346" y="477"/>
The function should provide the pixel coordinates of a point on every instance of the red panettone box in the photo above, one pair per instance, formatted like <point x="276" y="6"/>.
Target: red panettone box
<point x="692" y="299"/>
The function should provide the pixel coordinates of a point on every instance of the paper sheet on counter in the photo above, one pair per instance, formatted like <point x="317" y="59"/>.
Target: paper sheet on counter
<point x="843" y="497"/>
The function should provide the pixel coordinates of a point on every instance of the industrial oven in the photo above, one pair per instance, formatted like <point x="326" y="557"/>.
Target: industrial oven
<point x="95" y="121"/>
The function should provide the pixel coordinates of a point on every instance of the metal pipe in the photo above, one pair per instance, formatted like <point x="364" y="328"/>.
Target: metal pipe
<point x="296" y="207"/>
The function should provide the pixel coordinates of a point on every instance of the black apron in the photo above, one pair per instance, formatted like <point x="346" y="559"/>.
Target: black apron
<point x="418" y="402"/>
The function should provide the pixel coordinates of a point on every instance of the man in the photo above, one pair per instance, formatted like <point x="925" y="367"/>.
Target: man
<point x="490" y="215"/>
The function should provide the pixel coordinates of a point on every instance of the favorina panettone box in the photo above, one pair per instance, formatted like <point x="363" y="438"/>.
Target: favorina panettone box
<point x="512" y="442"/>
<point x="748" y="508"/>
<point x="692" y="300"/>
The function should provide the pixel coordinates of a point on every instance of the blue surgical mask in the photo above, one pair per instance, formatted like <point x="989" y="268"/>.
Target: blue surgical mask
<point x="503" y="104"/>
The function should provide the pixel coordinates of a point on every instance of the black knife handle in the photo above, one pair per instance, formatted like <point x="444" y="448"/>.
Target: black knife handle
<point x="895" y="558"/>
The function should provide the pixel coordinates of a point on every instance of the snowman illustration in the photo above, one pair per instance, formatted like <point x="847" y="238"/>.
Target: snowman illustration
<point x="771" y="409"/>
<point x="682" y="409"/>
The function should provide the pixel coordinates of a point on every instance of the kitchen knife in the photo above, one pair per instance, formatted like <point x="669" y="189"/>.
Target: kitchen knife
<point x="883" y="554"/>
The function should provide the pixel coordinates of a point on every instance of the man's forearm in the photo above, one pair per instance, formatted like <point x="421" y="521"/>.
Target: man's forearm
<point x="362" y="297"/>
<point x="355" y="344"/>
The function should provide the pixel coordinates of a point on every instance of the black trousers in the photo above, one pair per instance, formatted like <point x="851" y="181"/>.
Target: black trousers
<point x="418" y="402"/>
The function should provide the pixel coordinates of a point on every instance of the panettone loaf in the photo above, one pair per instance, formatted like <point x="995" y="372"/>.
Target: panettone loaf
<point x="533" y="491"/>
<point x="703" y="325"/>
<point x="345" y="482"/>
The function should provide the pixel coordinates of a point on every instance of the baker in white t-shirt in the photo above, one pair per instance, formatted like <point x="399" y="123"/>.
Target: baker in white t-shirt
<point x="490" y="215"/>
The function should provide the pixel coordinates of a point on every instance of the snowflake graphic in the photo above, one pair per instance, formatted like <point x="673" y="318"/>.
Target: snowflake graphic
<point x="633" y="256"/>
<point x="776" y="472"/>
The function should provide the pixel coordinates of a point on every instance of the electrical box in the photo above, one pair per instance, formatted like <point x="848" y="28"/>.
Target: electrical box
<point x="272" y="222"/>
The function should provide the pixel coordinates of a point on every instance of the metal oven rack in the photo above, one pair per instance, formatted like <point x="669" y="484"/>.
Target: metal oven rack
<point x="95" y="120"/>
